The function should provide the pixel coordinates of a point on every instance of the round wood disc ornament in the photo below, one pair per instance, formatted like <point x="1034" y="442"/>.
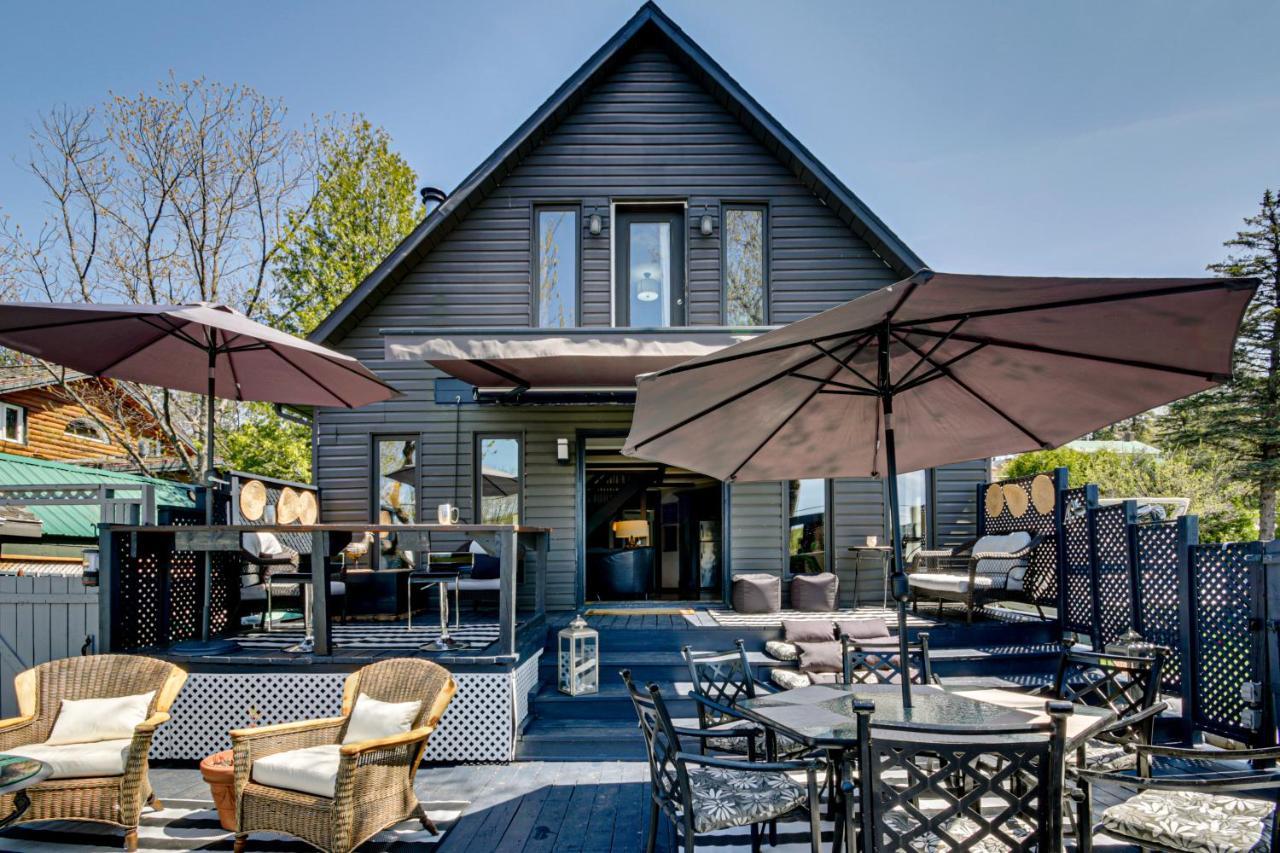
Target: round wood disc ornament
<point x="994" y="500"/>
<point x="287" y="506"/>
<point x="1015" y="497"/>
<point x="308" y="512"/>
<point x="1042" y="494"/>
<point x="253" y="500"/>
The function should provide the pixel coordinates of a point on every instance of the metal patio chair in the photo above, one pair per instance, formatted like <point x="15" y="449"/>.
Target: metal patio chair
<point x="1216" y="804"/>
<point x="880" y="663"/>
<point x="701" y="793"/>
<point x="949" y="788"/>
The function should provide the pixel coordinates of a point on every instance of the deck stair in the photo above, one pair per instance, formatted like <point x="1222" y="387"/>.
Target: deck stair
<point x="603" y="725"/>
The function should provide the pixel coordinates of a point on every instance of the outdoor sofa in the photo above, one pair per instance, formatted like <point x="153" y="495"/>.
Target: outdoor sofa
<point x="990" y="568"/>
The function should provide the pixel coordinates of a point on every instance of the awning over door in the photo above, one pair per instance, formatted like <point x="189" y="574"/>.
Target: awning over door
<point x="563" y="360"/>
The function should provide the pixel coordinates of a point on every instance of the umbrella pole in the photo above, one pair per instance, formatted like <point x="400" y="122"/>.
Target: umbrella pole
<point x="206" y="579"/>
<point x="901" y="590"/>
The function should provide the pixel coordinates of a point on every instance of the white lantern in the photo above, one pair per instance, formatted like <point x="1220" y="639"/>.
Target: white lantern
<point x="579" y="658"/>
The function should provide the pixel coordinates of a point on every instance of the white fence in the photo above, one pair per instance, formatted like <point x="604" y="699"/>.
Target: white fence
<point x="41" y="619"/>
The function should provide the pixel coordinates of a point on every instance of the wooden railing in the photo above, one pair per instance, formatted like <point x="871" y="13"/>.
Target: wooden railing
<point x="150" y="583"/>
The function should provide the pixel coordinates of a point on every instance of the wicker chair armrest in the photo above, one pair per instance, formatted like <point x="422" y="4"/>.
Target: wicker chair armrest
<point x="260" y="732"/>
<point x="17" y="731"/>
<point x="150" y="724"/>
<point x="16" y="722"/>
<point x="944" y="563"/>
<point x="411" y="736"/>
<point x="750" y="766"/>
<point x="936" y="552"/>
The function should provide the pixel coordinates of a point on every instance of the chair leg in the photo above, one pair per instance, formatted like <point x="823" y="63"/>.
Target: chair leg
<point x="427" y="823"/>
<point x="131" y="839"/>
<point x="238" y="847"/>
<point x="773" y="832"/>
<point x="755" y="838"/>
<point x="651" y="838"/>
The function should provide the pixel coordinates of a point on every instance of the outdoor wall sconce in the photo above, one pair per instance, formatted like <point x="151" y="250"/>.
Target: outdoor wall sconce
<point x="706" y="226"/>
<point x="595" y="225"/>
<point x="562" y="451"/>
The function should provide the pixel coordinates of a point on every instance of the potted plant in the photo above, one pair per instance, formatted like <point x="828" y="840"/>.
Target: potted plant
<point x="218" y="771"/>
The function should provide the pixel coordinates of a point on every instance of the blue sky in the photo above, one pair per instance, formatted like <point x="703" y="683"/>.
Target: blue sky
<point x="1033" y="137"/>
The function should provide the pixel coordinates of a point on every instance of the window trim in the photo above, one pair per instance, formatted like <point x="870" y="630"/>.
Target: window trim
<point x="828" y="550"/>
<point x="22" y="423"/>
<point x="765" y="261"/>
<point x="535" y="262"/>
<point x="375" y="475"/>
<point x="477" y="438"/>
<point x="101" y="435"/>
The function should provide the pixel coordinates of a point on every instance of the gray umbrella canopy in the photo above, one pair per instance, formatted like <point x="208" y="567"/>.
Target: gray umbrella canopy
<point x="939" y="368"/>
<point x="977" y="366"/>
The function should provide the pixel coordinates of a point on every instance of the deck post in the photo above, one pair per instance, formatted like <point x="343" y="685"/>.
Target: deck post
<point x="1188" y="534"/>
<point x="1136" y="622"/>
<point x="1095" y="609"/>
<point x="542" y="544"/>
<point x="106" y="589"/>
<point x="1270" y="669"/>
<point x="507" y="593"/>
<point x="320" y="591"/>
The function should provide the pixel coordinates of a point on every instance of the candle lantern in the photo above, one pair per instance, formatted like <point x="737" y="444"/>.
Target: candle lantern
<point x="579" y="658"/>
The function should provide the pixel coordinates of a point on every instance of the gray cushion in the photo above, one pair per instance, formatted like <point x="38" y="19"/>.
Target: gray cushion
<point x="821" y="657"/>
<point x="958" y="829"/>
<point x="864" y="629"/>
<point x="808" y="630"/>
<point x="757" y="593"/>
<point x="723" y="797"/>
<point x="1108" y="756"/>
<point x="1193" y="821"/>
<point x="814" y="593"/>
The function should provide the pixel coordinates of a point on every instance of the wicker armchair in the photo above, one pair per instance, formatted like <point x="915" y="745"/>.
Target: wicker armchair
<point x="374" y="784"/>
<point x="117" y="799"/>
<point x="973" y="573"/>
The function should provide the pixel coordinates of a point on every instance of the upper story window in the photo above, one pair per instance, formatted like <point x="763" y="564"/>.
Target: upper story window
<point x="745" y="283"/>
<point x="807" y="526"/>
<point x="13" y="423"/>
<point x="87" y="430"/>
<point x="649" y="272"/>
<point x="556" y="267"/>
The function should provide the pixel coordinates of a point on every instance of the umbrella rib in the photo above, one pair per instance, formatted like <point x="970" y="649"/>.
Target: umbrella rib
<point x="132" y="352"/>
<point x="714" y="360"/>
<point x="709" y="409"/>
<point x="1213" y="284"/>
<point x="1106" y="359"/>
<point x="787" y="419"/>
<point x="850" y="388"/>
<point x="936" y="372"/>
<point x="313" y="380"/>
<point x="36" y="327"/>
<point x="983" y="400"/>
<point x="942" y="340"/>
<point x="845" y="361"/>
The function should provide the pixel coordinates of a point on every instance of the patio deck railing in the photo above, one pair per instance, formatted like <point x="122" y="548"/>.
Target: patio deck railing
<point x="151" y="576"/>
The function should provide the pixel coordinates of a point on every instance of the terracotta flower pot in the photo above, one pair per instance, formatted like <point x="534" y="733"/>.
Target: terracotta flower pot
<point x="219" y="771"/>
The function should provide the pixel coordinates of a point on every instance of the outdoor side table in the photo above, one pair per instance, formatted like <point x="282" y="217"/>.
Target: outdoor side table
<point x="885" y="554"/>
<point x="17" y="774"/>
<point x="821" y="716"/>
<point x="441" y="580"/>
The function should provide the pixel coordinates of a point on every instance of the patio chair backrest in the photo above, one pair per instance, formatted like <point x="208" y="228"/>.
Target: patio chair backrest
<point x="971" y="789"/>
<point x="95" y="677"/>
<point x="398" y="680"/>
<point x="880" y="663"/>
<point x="1125" y="685"/>
<point x="660" y="739"/>
<point x="722" y="677"/>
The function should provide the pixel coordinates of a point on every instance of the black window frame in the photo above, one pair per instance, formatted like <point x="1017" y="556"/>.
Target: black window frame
<point x="827" y="531"/>
<point x="477" y="493"/>
<point x="535" y="262"/>
<point x="765" y="260"/>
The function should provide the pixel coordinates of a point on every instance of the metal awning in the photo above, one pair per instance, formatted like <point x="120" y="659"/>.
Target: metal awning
<point x="543" y="360"/>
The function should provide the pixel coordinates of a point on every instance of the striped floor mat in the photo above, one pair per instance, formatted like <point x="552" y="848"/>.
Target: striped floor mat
<point x="732" y="618"/>
<point x="374" y="636"/>
<point x="193" y="825"/>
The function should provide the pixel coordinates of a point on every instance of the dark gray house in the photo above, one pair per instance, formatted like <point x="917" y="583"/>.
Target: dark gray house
<point x="649" y="211"/>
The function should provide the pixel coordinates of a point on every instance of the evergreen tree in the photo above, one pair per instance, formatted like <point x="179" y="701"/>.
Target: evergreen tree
<point x="1242" y="418"/>
<point x="365" y="203"/>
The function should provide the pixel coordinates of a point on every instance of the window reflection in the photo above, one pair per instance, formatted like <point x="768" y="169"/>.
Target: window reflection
<point x="913" y="511"/>
<point x="807" y="526"/>
<point x="744" y="274"/>
<point x="397" y="460"/>
<point x="650" y="274"/>
<point x="500" y="480"/>
<point x="557" y="268"/>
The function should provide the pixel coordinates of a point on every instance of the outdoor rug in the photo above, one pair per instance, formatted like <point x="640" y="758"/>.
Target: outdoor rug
<point x="193" y="825"/>
<point x="734" y="619"/>
<point x="374" y="636"/>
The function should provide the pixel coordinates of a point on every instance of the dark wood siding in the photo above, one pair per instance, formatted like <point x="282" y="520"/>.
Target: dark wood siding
<point x="647" y="131"/>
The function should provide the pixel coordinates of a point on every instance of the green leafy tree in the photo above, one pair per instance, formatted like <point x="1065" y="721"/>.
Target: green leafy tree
<point x="365" y="203"/>
<point x="1241" y="420"/>
<point x="267" y="444"/>
<point x="1205" y="476"/>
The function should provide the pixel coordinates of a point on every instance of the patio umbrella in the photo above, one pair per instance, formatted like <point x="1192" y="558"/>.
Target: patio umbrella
<point x="936" y="369"/>
<point x="203" y="348"/>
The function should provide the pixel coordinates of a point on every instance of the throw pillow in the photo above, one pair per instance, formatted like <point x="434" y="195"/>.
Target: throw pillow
<point x="372" y="719"/>
<point x="92" y="720"/>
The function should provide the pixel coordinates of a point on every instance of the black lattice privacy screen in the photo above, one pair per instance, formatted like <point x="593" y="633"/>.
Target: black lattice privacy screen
<point x="1023" y="505"/>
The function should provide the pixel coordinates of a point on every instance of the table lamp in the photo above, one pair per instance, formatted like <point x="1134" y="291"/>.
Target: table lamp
<point x="631" y="531"/>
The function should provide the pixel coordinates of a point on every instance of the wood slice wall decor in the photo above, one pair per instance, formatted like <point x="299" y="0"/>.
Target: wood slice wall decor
<point x="1015" y="498"/>
<point x="287" y="506"/>
<point x="308" y="511"/>
<point x="253" y="500"/>
<point x="994" y="500"/>
<point x="1042" y="494"/>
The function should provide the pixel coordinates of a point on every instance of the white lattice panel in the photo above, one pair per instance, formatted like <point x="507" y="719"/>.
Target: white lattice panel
<point x="479" y="725"/>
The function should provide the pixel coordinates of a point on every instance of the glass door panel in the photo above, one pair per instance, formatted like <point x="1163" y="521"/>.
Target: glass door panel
<point x="650" y="273"/>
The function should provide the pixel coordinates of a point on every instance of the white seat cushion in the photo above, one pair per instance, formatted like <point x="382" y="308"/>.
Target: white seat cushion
<point x="262" y="544"/>
<point x="79" y="760"/>
<point x="473" y="585"/>
<point x="313" y="770"/>
<point x="372" y="719"/>
<point x="1193" y="821"/>
<point x="91" y="720"/>
<point x="948" y="582"/>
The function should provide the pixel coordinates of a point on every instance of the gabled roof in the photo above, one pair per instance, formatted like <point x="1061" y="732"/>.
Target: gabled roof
<point x="649" y="21"/>
<point x="22" y="377"/>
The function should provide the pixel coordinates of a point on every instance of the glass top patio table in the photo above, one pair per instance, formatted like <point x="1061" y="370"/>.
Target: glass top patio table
<point x="822" y="714"/>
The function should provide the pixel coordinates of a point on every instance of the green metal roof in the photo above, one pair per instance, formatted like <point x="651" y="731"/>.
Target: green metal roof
<point x="80" y="522"/>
